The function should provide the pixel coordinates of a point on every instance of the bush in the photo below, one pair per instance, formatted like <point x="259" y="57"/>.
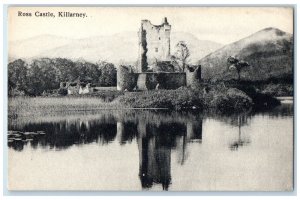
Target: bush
<point x="179" y="99"/>
<point x="223" y="98"/>
<point x="108" y="74"/>
<point x="259" y="99"/>
<point x="278" y="89"/>
<point x="62" y="91"/>
<point x="234" y="99"/>
<point x="216" y="97"/>
<point x="126" y="80"/>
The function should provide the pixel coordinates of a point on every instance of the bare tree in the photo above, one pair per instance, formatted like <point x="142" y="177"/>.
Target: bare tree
<point x="181" y="54"/>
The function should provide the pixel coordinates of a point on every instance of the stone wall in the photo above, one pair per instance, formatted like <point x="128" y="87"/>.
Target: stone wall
<point x="164" y="80"/>
<point x="193" y="75"/>
<point x="127" y="80"/>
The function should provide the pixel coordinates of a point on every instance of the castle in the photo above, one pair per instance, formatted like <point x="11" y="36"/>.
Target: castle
<point x="154" y="69"/>
<point x="154" y="44"/>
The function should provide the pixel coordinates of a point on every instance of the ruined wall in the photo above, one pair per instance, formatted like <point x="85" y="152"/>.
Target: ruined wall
<point x="164" y="80"/>
<point x="193" y="75"/>
<point x="154" y="43"/>
<point x="130" y="81"/>
<point x="126" y="80"/>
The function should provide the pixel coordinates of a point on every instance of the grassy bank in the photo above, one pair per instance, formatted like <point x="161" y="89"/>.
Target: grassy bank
<point x="26" y="106"/>
<point x="206" y="97"/>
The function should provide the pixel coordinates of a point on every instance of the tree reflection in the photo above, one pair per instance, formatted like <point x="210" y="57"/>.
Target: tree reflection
<point x="239" y="120"/>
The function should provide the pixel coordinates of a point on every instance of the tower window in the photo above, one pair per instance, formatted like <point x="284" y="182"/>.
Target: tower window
<point x="158" y="38"/>
<point x="156" y="49"/>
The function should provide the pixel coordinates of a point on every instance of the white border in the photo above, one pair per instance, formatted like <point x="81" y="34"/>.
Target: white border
<point x="148" y="2"/>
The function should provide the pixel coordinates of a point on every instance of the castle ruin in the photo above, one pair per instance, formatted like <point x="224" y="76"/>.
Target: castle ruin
<point x="154" y="44"/>
<point x="154" y="69"/>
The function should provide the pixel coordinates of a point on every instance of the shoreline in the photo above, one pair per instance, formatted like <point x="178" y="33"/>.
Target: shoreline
<point x="46" y="106"/>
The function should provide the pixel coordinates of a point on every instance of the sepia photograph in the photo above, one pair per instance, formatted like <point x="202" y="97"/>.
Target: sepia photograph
<point x="150" y="98"/>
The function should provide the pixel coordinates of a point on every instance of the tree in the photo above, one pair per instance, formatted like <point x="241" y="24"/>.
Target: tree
<point x="238" y="65"/>
<point x="181" y="55"/>
<point x="17" y="74"/>
<point x="42" y="76"/>
<point x="108" y="74"/>
<point x="87" y="70"/>
<point x="66" y="70"/>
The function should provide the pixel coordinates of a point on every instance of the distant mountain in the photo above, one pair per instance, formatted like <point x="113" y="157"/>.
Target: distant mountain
<point x="118" y="48"/>
<point x="32" y="47"/>
<point x="269" y="52"/>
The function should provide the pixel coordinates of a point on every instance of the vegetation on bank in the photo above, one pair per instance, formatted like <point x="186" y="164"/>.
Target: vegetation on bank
<point x="220" y="97"/>
<point x="274" y="86"/>
<point x="29" y="106"/>
<point x="40" y="80"/>
<point x="44" y="75"/>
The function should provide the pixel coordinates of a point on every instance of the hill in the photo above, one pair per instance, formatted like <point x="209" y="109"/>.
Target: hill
<point x="269" y="52"/>
<point x="117" y="48"/>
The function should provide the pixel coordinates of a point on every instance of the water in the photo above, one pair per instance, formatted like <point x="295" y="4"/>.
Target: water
<point x="155" y="150"/>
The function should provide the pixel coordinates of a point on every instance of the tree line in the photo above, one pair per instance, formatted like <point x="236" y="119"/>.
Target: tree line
<point x="46" y="74"/>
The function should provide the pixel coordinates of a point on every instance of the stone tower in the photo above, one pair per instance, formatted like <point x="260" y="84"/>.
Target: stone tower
<point x="154" y="44"/>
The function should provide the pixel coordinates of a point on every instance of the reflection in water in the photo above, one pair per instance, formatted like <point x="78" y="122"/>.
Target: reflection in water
<point x="156" y="134"/>
<point x="242" y="120"/>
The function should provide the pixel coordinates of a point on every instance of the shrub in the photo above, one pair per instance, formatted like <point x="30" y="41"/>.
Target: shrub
<point x="62" y="91"/>
<point x="126" y="80"/>
<point x="179" y="99"/>
<point x="237" y="100"/>
<point x="278" y="89"/>
<point x="227" y="99"/>
<point x="108" y="74"/>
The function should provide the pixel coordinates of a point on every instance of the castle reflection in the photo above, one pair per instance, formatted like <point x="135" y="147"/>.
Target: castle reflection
<point x="157" y="134"/>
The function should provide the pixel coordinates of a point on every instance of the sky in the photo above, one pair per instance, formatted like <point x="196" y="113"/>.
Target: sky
<point x="219" y="24"/>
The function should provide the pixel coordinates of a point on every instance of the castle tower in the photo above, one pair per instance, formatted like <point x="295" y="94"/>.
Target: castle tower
<point x="154" y="44"/>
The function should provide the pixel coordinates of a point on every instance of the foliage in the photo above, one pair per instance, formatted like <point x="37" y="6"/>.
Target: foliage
<point x="108" y="74"/>
<point x="41" y="76"/>
<point x="87" y="70"/>
<point x="278" y="89"/>
<point x="163" y="66"/>
<point x="237" y="65"/>
<point x="222" y="98"/>
<point x="62" y="91"/>
<point x="126" y="79"/>
<point x="259" y="99"/>
<point x="217" y="97"/>
<point x="172" y="99"/>
<point x="45" y="74"/>
<point x="17" y="75"/>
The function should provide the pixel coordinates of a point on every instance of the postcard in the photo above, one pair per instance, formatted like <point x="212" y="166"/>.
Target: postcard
<point x="150" y="98"/>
